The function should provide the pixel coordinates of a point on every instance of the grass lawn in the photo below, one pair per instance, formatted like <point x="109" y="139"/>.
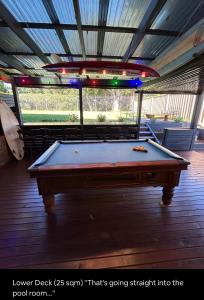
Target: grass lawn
<point x="63" y="116"/>
<point x="28" y="118"/>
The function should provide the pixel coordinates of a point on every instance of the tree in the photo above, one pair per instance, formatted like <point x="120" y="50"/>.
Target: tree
<point x="2" y="87"/>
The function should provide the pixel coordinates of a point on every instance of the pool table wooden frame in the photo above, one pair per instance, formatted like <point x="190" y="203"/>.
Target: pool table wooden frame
<point x="56" y="179"/>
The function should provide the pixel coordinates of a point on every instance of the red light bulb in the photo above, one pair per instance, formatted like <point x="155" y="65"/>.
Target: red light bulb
<point x="144" y="74"/>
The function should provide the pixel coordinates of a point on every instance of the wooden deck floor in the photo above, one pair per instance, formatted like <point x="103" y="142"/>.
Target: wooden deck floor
<point x="113" y="228"/>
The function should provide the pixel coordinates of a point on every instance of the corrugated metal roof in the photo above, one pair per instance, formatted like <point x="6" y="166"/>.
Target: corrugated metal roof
<point x="139" y="61"/>
<point x="46" y="39"/>
<point x="12" y="71"/>
<point x="27" y="10"/>
<point x="10" y="42"/>
<point x="179" y="15"/>
<point x="152" y="46"/>
<point x="3" y="64"/>
<point x="126" y="13"/>
<point x="72" y="38"/>
<point x="30" y="61"/>
<point x="116" y="43"/>
<point x="176" y="15"/>
<point x="110" y="59"/>
<point x="65" y="59"/>
<point x="78" y="58"/>
<point x="89" y="11"/>
<point x="65" y="11"/>
<point x="82" y="59"/>
<point x="184" y="79"/>
<point x="90" y="40"/>
<point x="41" y="73"/>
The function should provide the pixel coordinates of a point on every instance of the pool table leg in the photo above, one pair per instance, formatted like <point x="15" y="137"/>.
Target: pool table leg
<point x="168" y="192"/>
<point x="49" y="202"/>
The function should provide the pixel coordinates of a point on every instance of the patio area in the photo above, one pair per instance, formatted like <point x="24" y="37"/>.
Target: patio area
<point x="86" y="231"/>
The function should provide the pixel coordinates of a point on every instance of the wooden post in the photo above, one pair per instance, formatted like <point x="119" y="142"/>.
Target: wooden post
<point x="151" y="104"/>
<point x="81" y="111"/>
<point x="196" y="114"/>
<point x="16" y="101"/>
<point x="139" y="109"/>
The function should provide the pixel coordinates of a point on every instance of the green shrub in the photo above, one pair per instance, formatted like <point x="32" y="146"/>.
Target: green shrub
<point x="72" y="118"/>
<point x="121" y="119"/>
<point x="101" y="118"/>
<point x="178" y="119"/>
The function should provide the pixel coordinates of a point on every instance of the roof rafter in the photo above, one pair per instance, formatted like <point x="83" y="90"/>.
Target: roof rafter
<point x="102" y="19"/>
<point x="13" y="62"/>
<point x="80" y="56"/>
<point x="48" y="4"/>
<point x="152" y="12"/>
<point x="13" y="24"/>
<point x="94" y="28"/>
<point x="79" y="28"/>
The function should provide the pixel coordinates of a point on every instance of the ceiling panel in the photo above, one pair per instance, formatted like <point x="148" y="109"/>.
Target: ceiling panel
<point x="116" y="43"/>
<point x="73" y="41"/>
<point x="90" y="40"/>
<point x="12" y="71"/>
<point x="46" y="39"/>
<point x="27" y="10"/>
<point x="179" y="15"/>
<point x="126" y="13"/>
<point x="152" y="46"/>
<point x="10" y="42"/>
<point x="30" y="61"/>
<point x="89" y="11"/>
<point x="2" y="63"/>
<point x="65" y="11"/>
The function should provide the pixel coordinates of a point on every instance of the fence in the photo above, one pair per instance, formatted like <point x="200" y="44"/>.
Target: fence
<point x="201" y="118"/>
<point x="173" y="105"/>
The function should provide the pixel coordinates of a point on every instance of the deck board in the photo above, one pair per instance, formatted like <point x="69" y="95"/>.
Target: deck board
<point x="112" y="228"/>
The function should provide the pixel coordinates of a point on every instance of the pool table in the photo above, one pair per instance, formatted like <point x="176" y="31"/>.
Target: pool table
<point x="98" y="164"/>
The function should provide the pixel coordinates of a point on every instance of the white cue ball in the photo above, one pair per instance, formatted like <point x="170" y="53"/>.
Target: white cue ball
<point x="76" y="151"/>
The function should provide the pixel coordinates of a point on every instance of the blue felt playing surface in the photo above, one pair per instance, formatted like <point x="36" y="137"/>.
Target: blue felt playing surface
<point x="113" y="152"/>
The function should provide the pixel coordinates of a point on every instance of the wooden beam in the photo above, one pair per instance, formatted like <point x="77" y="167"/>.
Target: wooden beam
<point x="54" y="18"/>
<point x="196" y="114"/>
<point x="197" y="110"/>
<point x="94" y="28"/>
<point x="151" y="13"/>
<point x="79" y="55"/>
<point x="81" y="105"/>
<point x="139" y="112"/>
<point x="79" y="28"/>
<point x="102" y="19"/>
